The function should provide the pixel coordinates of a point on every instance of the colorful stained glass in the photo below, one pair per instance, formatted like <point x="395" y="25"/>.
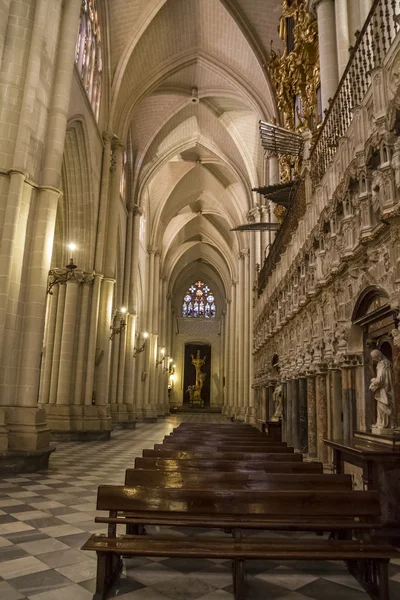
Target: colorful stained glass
<point x="199" y="301"/>
<point x="88" y="53"/>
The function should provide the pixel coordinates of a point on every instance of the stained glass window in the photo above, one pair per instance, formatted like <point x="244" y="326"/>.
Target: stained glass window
<point x="199" y="301"/>
<point x="88" y="53"/>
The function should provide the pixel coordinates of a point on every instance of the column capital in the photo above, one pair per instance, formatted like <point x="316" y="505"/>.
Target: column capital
<point x="312" y="5"/>
<point x="137" y="210"/>
<point x="117" y="145"/>
<point x="152" y="249"/>
<point x="107" y="137"/>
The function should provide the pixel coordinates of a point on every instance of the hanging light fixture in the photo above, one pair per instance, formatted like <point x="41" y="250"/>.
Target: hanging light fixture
<point x="141" y="348"/>
<point x="62" y="275"/>
<point x="118" y="317"/>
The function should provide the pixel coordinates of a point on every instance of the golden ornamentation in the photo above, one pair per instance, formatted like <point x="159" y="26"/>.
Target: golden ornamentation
<point x="295" y="73"/>
<point x="280" y="212"/>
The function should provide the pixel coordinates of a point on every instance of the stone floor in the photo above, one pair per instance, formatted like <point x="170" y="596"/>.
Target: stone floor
<point x="46" y="517"/>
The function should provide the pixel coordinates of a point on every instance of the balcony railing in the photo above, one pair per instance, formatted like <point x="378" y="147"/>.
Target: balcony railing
<point x="370" y="48"/>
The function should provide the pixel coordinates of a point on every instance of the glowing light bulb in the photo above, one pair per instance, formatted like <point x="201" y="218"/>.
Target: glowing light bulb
<point x="163" y="351"/>
<point x="72" y="247"/>
<point x="123" y="310"/>
<point x="170" y="361"/>
<point x="145" y="335"/>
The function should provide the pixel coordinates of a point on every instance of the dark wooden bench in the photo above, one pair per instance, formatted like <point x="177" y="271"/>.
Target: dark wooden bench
<point x="228" y="465"/>
<point x="190" y="441"/>
<point x="221" y="447"/>
<point x="335" y="511"/>
<point x="248" y="456"/>
<point x="250" y="480"/>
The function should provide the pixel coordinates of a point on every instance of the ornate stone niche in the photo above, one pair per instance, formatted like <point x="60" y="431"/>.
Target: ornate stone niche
<point x="373" y="322"/>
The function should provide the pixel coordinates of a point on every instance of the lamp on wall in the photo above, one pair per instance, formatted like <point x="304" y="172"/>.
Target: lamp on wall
<point x="118" y="322"/>
<point x="141" y="348"/>
<point x="160" y="362"/>
<point x="168" y="367"/>
<point x="62" y="275"/>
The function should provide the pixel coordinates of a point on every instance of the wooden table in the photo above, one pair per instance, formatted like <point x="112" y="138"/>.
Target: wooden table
<point x="380" y="465"/>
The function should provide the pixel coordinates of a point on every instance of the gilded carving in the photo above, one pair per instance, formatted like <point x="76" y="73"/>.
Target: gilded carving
<point x="295" y="72"/>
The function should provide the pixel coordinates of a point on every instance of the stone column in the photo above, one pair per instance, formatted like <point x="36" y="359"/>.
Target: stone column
<point x="303" y="415"/>
<point x="228" y="343"/>
<point x="48" y="350"/>
<point x="232" y="353"/>
<point x="285" y="412"/>
<point x="149" y="407"/>
<point x="81" y="353"/>
<point x="312" y="417"/>
<point x="102" y="382"/>
<point x="57" y="344"/>
<point x="26" y="422"/>
<point x="103" y="205"/>
<point x="130" y="300"/>
<point x="335" y="380"/>
<point x="241" y="324"/>
<point x="322" y="415"/>
<point x="348" y="400"/>
<point x="91" y="352"/>
<point x="295" y="414"/>
<point x="327" y="49"/>
<point x="342" y="34"/>
<point x="289" y="412"/>
<point x="365" y="7"/>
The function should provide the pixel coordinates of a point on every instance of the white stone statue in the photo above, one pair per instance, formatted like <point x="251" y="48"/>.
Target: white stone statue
<point x="277" y="397"/>
<point x="382" y="386"/>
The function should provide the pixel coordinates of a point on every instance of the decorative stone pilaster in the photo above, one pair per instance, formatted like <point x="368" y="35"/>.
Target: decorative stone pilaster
<point x="312" y="416"/>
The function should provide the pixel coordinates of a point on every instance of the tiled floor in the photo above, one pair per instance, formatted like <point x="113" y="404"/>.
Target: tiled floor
<point x="46" y="517"/>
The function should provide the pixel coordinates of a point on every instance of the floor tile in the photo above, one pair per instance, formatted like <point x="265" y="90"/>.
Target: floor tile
<point x="287" y="578"/>
<point x="14" y="527"/>
<point x="217" y="576"/>
<point x="62" y="558"/>
<point x="81" y="571"/>
<point x="37" y="583"/>
<point x="69" y="592"/>
<point x="61" y="530"/>
<point x="184" y="588"/>
<point x="7" y="592"/>
<point x="43" y="546"/>
<point x="29" y="515"/>
<point x="321" y="591"/>
<point x="21" y="566"/>
<point x="152" y="573"/>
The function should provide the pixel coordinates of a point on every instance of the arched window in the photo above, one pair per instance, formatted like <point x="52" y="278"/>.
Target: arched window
<point x="199" y="301"/>
<point x="88" y="53"/>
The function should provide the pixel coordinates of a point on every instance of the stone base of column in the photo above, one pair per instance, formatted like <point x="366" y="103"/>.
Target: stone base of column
<point x="20" y="461"/>
<point x="92" y="421"/>
<point x="160" y="410"/>
<point x="24" y="440"/>
<point x="240" y="413"/>
<point x="150" y="414"/>
<point x="250" y="415"/>
<point x="27" y="428"/>
<point x="123" y="416"/>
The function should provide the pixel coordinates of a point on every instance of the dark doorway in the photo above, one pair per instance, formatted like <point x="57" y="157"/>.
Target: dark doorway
<point x="190" y="371"/>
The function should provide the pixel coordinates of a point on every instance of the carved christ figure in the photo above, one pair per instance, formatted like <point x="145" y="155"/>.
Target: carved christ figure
<point x="277" y="397"/>
<point x="198" y="363"/>
<point x="382" y="386"/>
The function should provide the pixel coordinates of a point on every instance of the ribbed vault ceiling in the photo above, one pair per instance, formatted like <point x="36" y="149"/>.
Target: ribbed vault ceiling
<point x="193" y="164"/>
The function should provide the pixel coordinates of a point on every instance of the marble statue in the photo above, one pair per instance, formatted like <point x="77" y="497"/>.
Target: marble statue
<point x="382" y="386"/>
<point x="277" y="398"/>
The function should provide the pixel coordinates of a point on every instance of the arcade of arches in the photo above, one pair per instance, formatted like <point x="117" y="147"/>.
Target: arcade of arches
<point x="130" y="152"/>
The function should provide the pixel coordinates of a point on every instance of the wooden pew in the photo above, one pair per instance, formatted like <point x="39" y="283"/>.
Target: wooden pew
<point x="218" y="446"/>
<point x="245" y="480"/>
<point x="234" y="456"/>
<point x="211" y="440"/>
<point x="276" y="510"/>
<point x="166" y="464"/>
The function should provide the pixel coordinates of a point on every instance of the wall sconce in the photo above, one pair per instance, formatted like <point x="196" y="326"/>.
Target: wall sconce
<point x="160" y="362"/>
<point x="137" y="351"/>
<point x="119" y="315"/>
<point x="62" y="275"/>
<point x="168" y="367"/>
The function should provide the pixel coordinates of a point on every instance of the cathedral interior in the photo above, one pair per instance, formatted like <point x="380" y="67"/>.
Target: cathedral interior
<point x="200" y="252"/>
